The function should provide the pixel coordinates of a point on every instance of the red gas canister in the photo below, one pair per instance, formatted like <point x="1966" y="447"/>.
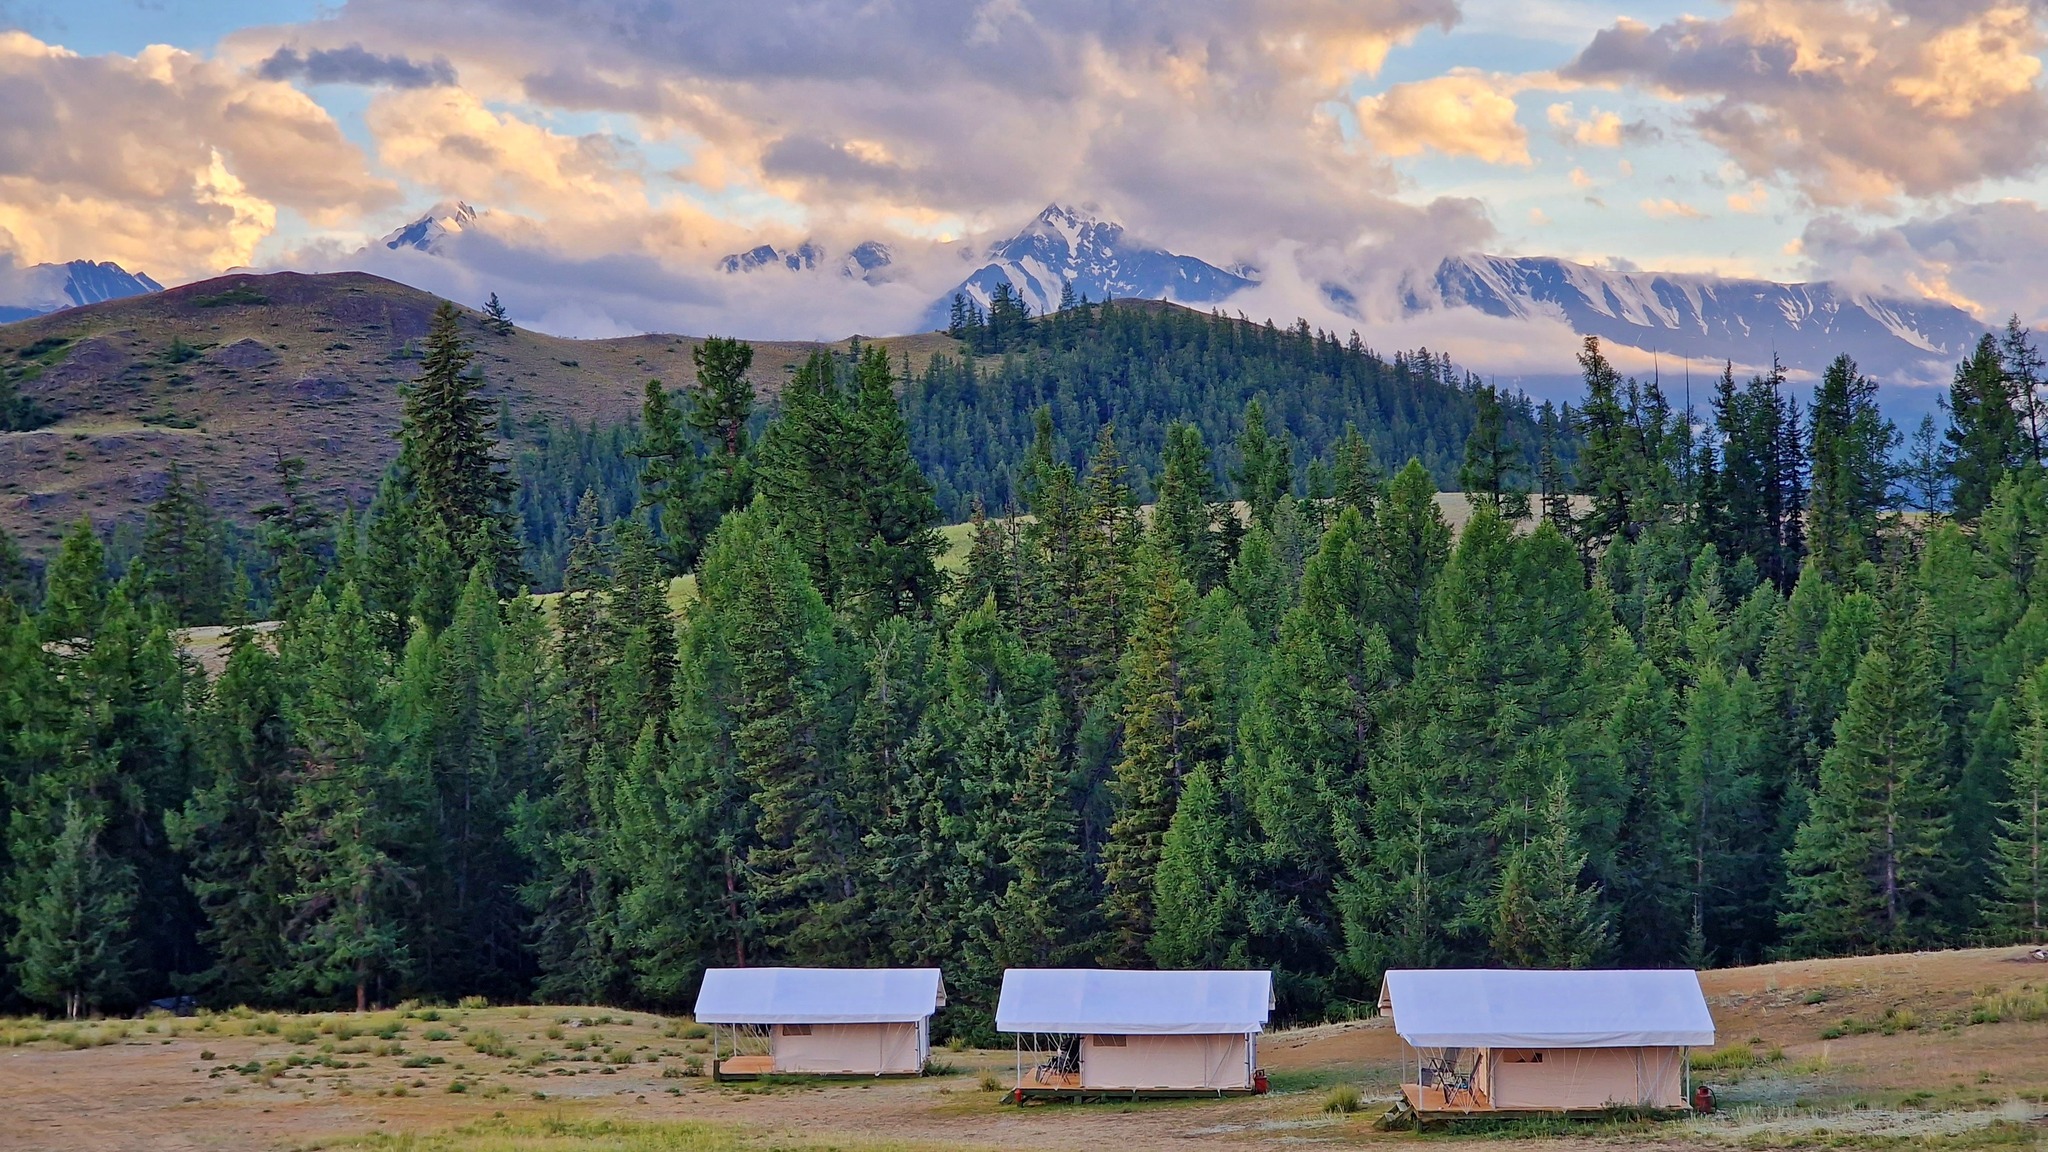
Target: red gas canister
<point x="1259" y="1085"/>
<point x="1703" y="1099"/>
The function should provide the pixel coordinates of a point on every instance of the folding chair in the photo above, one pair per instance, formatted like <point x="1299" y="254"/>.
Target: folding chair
<point x="1456" y="1079"/>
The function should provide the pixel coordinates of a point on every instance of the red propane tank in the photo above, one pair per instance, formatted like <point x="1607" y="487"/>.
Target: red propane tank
<point x="1259" y="1085"/>
<point x="1703" y="1099"/>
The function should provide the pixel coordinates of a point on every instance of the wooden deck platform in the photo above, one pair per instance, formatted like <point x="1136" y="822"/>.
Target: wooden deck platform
<point x="1433" y="1100"/>
<point x="1068" y="1086"/>
<point x="742" y="1067"/>
<point x="1420" y="1107"/>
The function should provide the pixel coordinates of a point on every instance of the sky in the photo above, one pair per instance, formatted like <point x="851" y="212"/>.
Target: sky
<point x="618" y="148"/>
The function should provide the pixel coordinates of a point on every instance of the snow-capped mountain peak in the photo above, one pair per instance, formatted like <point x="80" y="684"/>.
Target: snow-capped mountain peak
<point x="1067" y="245"/>
<point x="448" y="218"/>
<point x="1713" y="318"/>
<point x="869" y="260"/>
<point x="43" y="288"/>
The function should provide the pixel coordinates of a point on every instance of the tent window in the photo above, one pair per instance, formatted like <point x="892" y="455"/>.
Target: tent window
<point x="796" y="1029"/>
<point x="1521" y="1056"/>
<point x="1109" y="1041"/>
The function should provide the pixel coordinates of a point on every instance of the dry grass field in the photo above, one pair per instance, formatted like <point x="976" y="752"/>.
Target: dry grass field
<point x="1945" y="1050"/>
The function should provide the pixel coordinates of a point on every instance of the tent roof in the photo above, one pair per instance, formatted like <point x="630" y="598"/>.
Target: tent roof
<point x="1133" y="1003"/>
<point x="1476" y="1008"/>
<point x="819" y="995"/>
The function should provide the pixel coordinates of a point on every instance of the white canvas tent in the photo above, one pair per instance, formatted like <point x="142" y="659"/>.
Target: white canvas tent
<point x="1093" y="1031"/>
<point x="820" y="1021"/>
<point x="1488" y="1040"/>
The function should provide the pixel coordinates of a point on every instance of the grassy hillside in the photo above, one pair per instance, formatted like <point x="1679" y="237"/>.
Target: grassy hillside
<point x="222" y="375"/>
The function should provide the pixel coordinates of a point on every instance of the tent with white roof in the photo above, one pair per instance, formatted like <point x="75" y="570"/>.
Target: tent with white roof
<point x="1135" y="1032"/>
<point x="1509" y="1040"/>
<point x="820" y="1021"/>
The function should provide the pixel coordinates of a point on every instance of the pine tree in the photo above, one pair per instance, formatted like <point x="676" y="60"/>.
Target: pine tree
<point x="231" y="828"/>
<point x="182" y="554"/>
<point x="463" y="491"/>
<point x="1867" y="865"/>
<point x="1184" y="516"/>
<point x="894" y="533"/>
<point x="294" y="531"/>
<point x="72" y="942"/>
<point x="671" y="479"/>
<point x="1544" y="916"/>
<point x="1984" y="428"/>
<point x="345" y="929"/>
<point x="389" y="559"/>
<point x="75" y="587"/>
<point x="1265" y="470"/>
<point x="1166" y="734"/>
<point x="1196" y="903"/>
<point x="1491" y="458"/>
<point x="2020" y="904"/>
<point x="2023" y="365"/>
<point x="1850" y="446"/>
<point x="721" y="404"/>
<point x="496" y="318"/>
<point x="1926" y="467"/>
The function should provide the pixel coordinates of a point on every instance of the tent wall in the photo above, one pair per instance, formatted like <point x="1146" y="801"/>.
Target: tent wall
<point x="1172" y="1062"/>
<point x="1584" y="1077"/>
<point x="859" y="1049"/>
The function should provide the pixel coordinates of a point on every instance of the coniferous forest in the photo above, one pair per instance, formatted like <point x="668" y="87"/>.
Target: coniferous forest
<point x="1219" y="686"/>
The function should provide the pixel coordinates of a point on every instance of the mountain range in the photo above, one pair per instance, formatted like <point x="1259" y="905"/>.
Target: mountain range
<point x="1713" y="318"/>
<point x="1689" y="317"/>
<point x="43" y="288"/>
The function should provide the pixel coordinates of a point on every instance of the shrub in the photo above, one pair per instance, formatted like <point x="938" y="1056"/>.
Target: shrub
<point x="1343" y="1099"/>
<point x="301" y="1032"/>
<point x="694" y="1032"/>
<point x="473" y="1002"/>
<point x="692" y="1066"/>
<point x="439" y="1034"/>
<point x="491" y="1042"/>
<point x="989" y="1083"/>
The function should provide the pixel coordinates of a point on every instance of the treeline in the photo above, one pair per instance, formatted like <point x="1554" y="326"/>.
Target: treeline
<point x="1727" y="704"/>
<point x="1146" y="366"/>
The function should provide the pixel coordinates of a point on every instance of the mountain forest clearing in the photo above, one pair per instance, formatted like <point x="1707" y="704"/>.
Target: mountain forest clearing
<point x="1936" y="1049"/>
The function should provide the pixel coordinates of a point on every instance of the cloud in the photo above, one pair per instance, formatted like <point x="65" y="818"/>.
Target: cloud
<point x="1598" y="130"/>
<point x="163" y="161"/>
<point x="939" y="115"/>
<point x="1856" y="102"/>
<point x="354" y="64"/>
<point x="1751" y="199"/>
<point x="1461" y="114"/>
<point x="1984" y="258"/>
<point x="1668" y="209"/>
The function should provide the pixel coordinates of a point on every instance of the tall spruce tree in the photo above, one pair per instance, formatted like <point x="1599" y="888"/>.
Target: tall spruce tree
<point x="1868" y="863"/>
<point x="1185" y="516"/>
<point x="2019" y="903"/>
<point x="73" y="942"/>
<point x="462" y="488"/>
<point x="231" y="829"/>
<point x="1850" y="445"/>
<point x="183" y="561"/>
<point x="1984" y="428"/>
<point x="347" y="822"/>
<point x="1491" y="459"/>
<point x="1166" y="734"/>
